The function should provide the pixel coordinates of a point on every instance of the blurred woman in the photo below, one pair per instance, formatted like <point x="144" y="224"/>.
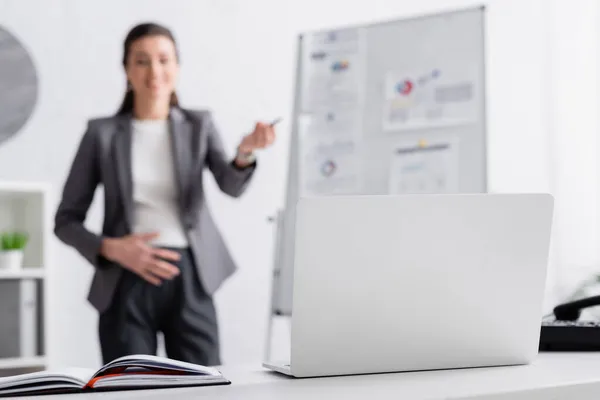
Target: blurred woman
<point x="160" y="257"/>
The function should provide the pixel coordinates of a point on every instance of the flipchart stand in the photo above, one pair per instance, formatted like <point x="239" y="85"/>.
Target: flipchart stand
<point x="278" y="221"/>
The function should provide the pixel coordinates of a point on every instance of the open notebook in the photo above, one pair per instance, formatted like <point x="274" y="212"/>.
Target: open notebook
<point x="129" y="372"/>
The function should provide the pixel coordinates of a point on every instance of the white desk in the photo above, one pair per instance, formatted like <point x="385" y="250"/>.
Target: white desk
<point x="552" y="376"/>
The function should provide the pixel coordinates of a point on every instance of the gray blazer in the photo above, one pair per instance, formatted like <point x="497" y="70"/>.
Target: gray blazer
<point x="104" y="158"/>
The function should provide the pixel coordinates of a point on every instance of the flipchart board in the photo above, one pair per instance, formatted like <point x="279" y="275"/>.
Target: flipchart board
<point x="387" y="108"/>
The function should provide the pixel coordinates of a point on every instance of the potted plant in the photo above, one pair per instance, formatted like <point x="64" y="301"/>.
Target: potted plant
<point x="12" y="245"/>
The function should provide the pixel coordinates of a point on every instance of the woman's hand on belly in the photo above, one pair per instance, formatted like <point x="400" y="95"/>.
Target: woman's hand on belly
<point x="135" y="254"/>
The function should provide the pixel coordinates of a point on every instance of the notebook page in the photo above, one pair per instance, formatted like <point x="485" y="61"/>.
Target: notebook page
<point x="67" y="377"/>
<point x="142" y="360"/>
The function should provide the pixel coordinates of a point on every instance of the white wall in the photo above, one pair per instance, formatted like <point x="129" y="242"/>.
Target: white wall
<point x="238" y="59"/>
<point x="574" y="145"/>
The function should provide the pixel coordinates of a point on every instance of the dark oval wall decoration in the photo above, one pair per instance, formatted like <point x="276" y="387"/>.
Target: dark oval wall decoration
<point x="18" y="85"/>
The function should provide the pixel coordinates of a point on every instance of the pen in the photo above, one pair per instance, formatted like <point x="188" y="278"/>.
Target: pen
<point x="275" y="121"/>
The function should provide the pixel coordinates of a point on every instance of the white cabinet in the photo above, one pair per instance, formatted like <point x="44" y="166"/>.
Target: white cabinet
<point x="24" y="207"/>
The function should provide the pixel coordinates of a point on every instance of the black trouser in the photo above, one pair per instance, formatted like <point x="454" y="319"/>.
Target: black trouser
<point x="178" y="308"/>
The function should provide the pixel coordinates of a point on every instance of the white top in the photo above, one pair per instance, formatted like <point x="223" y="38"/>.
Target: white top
<point x="154" y="184"/>
<point x="551" y="375"/>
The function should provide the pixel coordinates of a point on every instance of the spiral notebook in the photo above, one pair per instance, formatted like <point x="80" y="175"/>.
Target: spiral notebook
<point x="125" y="373"/>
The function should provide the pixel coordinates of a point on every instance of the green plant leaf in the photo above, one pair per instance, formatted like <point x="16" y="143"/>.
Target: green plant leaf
<point x="13" y="240"/>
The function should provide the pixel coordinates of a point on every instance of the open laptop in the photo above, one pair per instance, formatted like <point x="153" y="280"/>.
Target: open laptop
<point x="417" y="282"/>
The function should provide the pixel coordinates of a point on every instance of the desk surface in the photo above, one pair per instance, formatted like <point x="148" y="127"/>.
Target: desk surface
<point x="567" y="375"/>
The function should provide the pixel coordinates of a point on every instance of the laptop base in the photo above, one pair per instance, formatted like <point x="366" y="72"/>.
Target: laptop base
<point x="281" y="367"/>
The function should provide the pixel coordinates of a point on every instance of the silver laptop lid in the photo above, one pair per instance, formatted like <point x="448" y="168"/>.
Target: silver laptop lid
<point x="395" y="283"/>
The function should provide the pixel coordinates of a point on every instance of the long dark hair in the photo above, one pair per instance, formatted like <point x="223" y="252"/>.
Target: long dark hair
<point x="138" y="32"/>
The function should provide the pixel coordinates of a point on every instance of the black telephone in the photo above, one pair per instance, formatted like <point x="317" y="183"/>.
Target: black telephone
<point x="566" y="332"/>
<point x="570" y="311"/>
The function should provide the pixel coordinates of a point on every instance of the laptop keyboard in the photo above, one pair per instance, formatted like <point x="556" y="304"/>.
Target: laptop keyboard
<point x="570" y="336"/>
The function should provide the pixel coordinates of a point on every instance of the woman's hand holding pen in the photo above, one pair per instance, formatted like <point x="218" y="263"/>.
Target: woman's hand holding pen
<point x="262" y="137"/>
<point x="135" y="254"/>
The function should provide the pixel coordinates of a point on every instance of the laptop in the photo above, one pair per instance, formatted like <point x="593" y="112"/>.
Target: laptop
<point x="417" y="282"/>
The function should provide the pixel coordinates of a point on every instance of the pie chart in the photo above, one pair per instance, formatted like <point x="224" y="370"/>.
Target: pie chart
<point x="404" y="87"/>
<point x="328" y="168"/>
